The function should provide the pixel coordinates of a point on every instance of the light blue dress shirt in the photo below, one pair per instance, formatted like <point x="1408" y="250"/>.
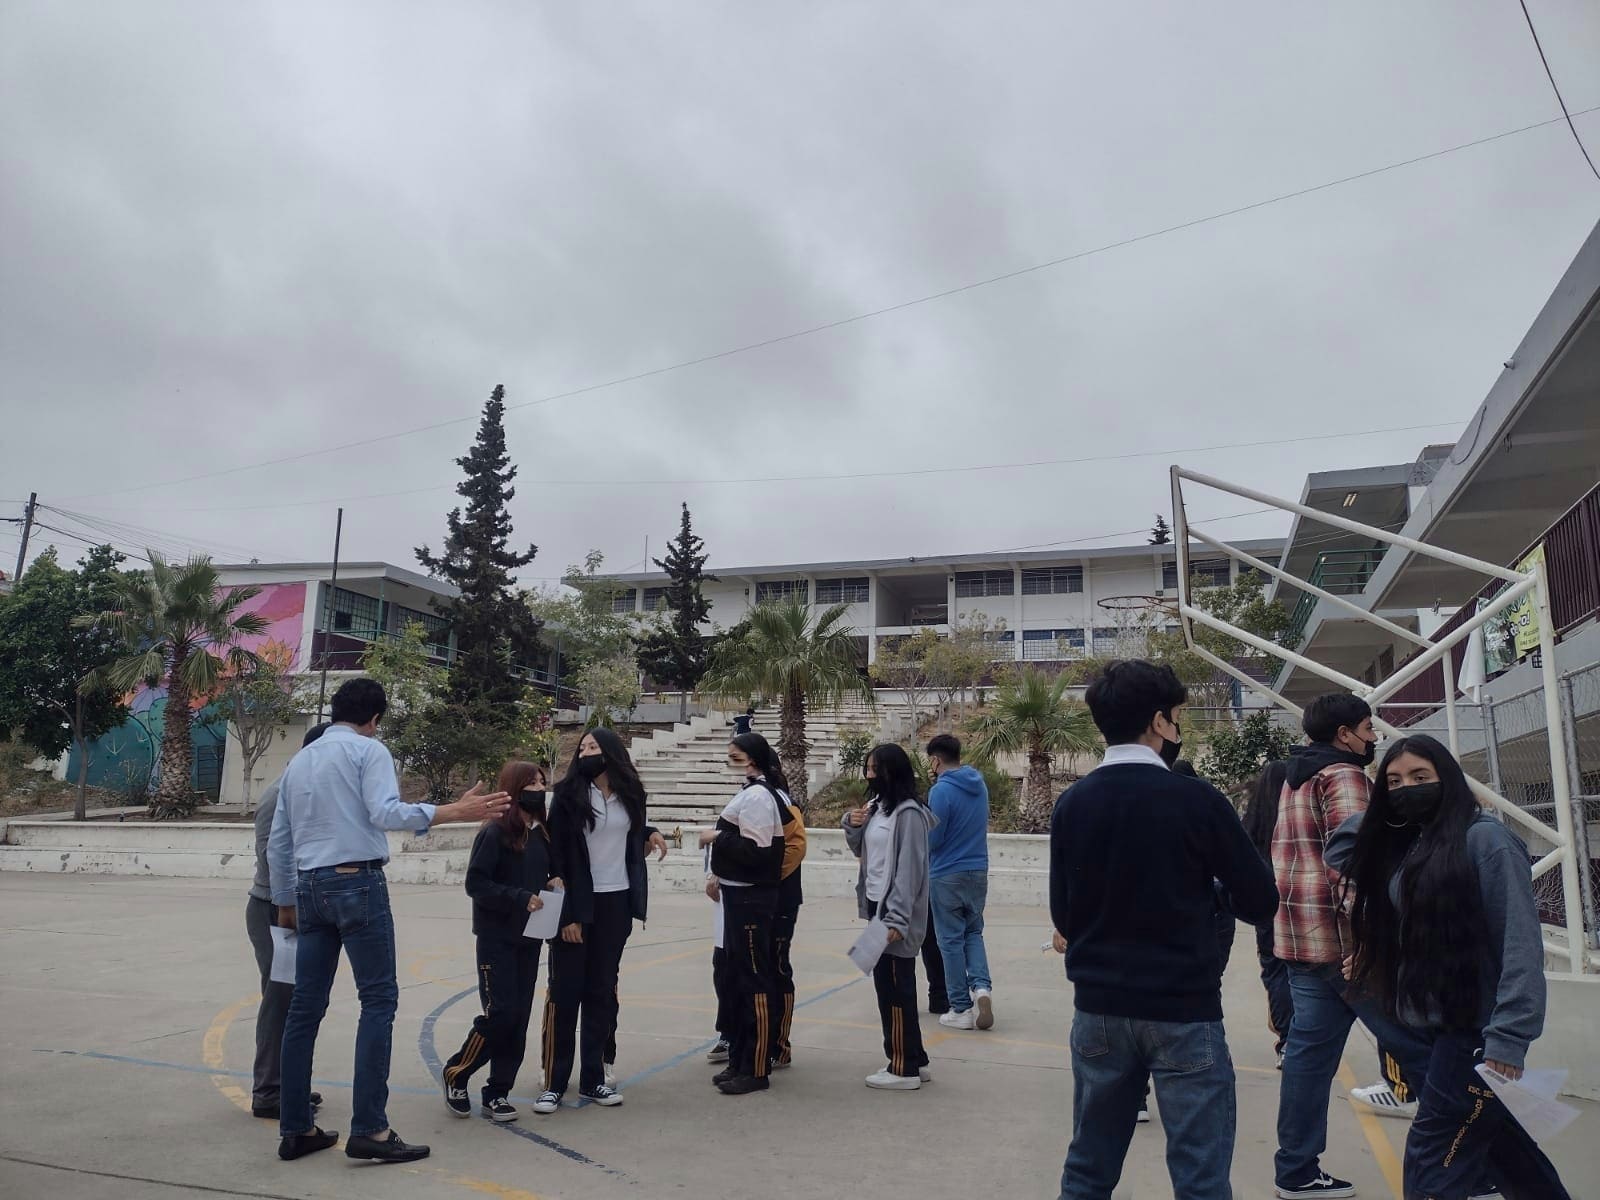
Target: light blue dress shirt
<point x="335" y="801"/>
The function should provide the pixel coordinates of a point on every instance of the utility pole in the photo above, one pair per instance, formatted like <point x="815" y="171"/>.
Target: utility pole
<point x="333" y="582"/>
<point x="27" y="529"/>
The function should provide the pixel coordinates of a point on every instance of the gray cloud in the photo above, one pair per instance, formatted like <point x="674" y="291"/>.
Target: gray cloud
<point x="238" y="232"/>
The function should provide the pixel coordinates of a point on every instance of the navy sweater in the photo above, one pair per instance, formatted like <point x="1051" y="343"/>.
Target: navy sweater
<point x="1134" y="849"/>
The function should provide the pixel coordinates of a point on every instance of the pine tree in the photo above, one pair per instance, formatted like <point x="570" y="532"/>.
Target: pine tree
<point x="494" y="629"/>
<point x="1160" y="532"/>
<point x="676" y="652"/>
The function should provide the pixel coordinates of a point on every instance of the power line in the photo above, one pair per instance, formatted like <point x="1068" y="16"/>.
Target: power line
<point x="853" y="475"/>
<point x="853" y="319"/>
<point x="1556" y="88"/>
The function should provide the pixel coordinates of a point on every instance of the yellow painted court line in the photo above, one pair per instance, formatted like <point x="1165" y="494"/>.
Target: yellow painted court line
<point x="1372" y="1127"/>
<point x="211" y="1050"/>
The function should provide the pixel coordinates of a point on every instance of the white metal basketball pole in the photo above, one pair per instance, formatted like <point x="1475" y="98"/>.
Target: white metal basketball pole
<point x="1534" y="583"/>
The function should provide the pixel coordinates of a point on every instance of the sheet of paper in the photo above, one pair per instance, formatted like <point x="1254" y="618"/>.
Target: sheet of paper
<point x="869" y="947"/>
<point x="717" y="935"/>
<point x="545" y="922"/>
<point x="1532" y="1101"/>
<point x="285" y="945"/>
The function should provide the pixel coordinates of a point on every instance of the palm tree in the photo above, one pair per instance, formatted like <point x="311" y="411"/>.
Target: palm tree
<point x="1032" y="714"/>
<point x="177" y="626"/>
<point x="786" y="655"/>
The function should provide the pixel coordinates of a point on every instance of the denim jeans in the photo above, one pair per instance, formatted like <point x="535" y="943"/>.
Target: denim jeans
<point x="1462" y="1134"/>
<point x="339" y="907"/>
<point x="956" y="903"/>
<point x="1325" y="1007"/>
<point x="1112" y="1057"/>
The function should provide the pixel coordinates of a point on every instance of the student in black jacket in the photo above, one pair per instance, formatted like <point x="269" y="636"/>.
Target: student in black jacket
<point x="598" y="845"/>
<point x="747" y="863"/>
<point x="509" y="867"/>
<point x="1136" y="853"/>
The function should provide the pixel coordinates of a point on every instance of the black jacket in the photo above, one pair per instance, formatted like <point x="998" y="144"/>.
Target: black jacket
<point x="735" y="857"/>
<point x="569" y="861"/>
<point x="1134" y="850"/>
<point x="1306" y="761"/>
<point x="501" y="880"/>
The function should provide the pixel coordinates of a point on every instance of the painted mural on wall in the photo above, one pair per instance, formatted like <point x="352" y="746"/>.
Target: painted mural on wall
<point x="126" y="759"/>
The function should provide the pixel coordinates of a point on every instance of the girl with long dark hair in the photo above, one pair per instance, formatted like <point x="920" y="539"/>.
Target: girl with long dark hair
<point x="1260" y="819"/>
<point x="747" y="867"/>
<point x="1446" y="935"/>
<point x="598" y="842"/>
<point x="889" y="834"/>
<point x="509" y="867"/>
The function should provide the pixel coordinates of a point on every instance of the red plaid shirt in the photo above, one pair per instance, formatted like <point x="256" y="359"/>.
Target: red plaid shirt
<point x="1309" y="927"/>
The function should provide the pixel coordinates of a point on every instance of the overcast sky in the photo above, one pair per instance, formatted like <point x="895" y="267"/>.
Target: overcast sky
<point x="239" y="232"/>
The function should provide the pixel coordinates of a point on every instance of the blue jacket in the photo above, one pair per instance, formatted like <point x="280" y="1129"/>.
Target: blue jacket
<point x="960" y="839"/>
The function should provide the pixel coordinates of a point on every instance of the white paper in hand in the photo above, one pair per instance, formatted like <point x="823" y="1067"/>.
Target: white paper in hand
<point x="869" y="947"/>
<point x="545" y="922"/>
<point x="1532" y="1100"/>
<point x="285" y="945"/>
<point x="717" y="935"/>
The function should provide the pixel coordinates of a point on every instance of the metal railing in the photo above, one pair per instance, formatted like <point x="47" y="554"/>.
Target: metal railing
<point x="1342" y="572"/>
<point x="1576" y="948"/>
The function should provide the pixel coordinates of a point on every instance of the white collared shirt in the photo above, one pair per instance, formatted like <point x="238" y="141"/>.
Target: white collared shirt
<point x="1131" y="752"/>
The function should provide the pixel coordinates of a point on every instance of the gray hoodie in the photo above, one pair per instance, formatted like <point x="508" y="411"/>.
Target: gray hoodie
<point x="905" y="905"/>
<point x="1511" y="967"/>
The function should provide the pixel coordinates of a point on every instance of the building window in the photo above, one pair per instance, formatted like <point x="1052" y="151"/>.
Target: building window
<point x="1207" y="572"/>
<point x="1107" y="641"/>
<point x="1051" y="645"/>
<point x="971" y="584"/>
<point x="624" y="601"/>
<point x="1001" y="645"/>
<point x="783" y="591"/>
<point x="844" y="591"/>
<point x="655" y="599"/>
<point x="1052" y="581"/>
<point x="352" y="613"/>
<point x="434" y="627"/>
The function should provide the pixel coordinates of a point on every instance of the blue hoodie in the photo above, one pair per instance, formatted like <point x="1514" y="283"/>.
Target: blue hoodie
<point x="960" y="839"/>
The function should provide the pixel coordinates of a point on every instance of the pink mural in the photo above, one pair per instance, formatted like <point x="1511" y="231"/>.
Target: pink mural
<point x="283" y="606"/>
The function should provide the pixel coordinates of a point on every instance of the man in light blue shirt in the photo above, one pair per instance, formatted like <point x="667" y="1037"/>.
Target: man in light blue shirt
<point x="336" y="802"/>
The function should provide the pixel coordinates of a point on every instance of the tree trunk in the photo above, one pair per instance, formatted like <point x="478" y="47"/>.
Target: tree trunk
<point x="174" y="797"/>
<point x="792" y="747"/>
<point x="249" y="770"/>
<point x="80" y="807"/>
<point x="1037" y="800"/>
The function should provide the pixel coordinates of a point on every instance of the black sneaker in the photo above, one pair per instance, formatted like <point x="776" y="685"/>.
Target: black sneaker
<point x="301" y="1144"/>
<point x="456" y="1099"/>
<point x="500" y="1110"/>
<point x="719" y="1052"/>
<point x="1319" y="1185"/>
<point x="722" y="1076"/>
<point x="548" y="1102"/>
<point x="387" y="1150"/>
<point x="743" y="1085"/>
<point x="606" y="1097"/>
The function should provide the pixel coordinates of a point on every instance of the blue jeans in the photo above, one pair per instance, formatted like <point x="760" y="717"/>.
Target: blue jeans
<point x="339" y="907"/>
<point x="956" y="902"/>
<point x="1325" y="1007"/>
<point x="1112" y="1059"/>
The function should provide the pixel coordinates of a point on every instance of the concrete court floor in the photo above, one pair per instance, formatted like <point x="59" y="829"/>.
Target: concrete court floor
<point x="129" y="1013"/>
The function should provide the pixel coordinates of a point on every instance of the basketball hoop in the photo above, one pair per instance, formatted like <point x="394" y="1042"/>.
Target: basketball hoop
<point x="1132" y="603"/>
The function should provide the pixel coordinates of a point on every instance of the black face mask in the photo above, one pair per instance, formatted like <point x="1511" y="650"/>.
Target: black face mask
<point x="531" y="801"/>
<point x="1416" y="804"/>
<point x="592" y="766"/>
<point x="1368" y="751"/>
<point x="1171" y="751"/>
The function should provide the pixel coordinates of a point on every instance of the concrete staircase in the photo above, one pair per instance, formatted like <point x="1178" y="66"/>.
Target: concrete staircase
<point x="690" y="782"/>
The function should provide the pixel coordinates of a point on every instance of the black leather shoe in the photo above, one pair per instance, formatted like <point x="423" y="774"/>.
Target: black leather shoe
<point x="390" y="1150"/>
<point x="301" y="1144"/>
<point x="269" y="1112"/>
<point x="743" y="1085"/>
<point x="723" y="1076"/>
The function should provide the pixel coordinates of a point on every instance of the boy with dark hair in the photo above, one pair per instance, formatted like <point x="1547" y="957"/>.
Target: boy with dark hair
<point x="1134" y="851"/>
<point x="958" y="883"/>
<point x="1326" y="782"/>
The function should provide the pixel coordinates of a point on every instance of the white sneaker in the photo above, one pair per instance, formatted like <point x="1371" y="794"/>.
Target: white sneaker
<point x="888" y="1081"/>
<point x="984" y="1002"/>
<point x="1380" y="1098"/>
<point x="959" y="1020"/>
<point x="547" y="1102"/>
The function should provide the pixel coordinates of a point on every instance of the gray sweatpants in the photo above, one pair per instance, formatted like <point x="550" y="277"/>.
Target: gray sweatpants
<point x="274" y="1008"/>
